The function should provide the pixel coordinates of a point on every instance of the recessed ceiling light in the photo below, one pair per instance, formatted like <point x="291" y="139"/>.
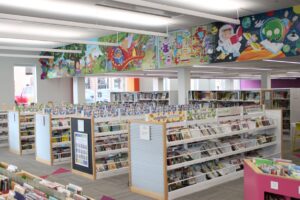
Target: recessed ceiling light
<point x="283" y="61"/>
<point x="88" y="11"/>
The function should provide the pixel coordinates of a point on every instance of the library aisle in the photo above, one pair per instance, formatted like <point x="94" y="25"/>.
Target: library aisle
<point x="117" y="187"/>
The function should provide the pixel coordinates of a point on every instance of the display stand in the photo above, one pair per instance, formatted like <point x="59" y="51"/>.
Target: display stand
<point x="100" y="146"/>
<point x="257" y="184"/>
<point x="53" y="143"/>
<point x="171" y="160"/>
<point x="21" y="128"/>
<point x="3" y="128"/>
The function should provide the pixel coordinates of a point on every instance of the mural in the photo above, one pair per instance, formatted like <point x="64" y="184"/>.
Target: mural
<point x="265" y="36"/>
<point x="134" y="52"/>
<point x="187" y="47"/>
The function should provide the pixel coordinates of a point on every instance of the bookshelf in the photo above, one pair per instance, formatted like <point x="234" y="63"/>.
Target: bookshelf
<point x="216" y="99"/>
<point x="185" y="157"/>
<point x="3" y="129"/>
<point x="21" y="126"/>
<point x="100" y="146"/>
<point x="53" y="143"/>
<point x="159" y="97"/>
<point x="286" y="100"/>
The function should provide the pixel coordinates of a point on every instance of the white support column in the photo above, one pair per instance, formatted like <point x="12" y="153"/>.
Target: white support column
<point x="184" y="85"/>
<point x="78" y="90"/>
<point x="158" y="84"/>
<point x="265" y="81"/>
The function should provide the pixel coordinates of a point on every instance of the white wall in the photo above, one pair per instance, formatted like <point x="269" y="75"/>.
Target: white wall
<point x="146" y="84"/>
<point x="56" y="90"/>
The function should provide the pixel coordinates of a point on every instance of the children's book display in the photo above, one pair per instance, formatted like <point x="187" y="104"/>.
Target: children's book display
<point x="183" y="157"/>
<point x="275" y="179"/>
<point x="3" y="129"/>
<point x="19" y="184"/>
<point x="21" y="128"/>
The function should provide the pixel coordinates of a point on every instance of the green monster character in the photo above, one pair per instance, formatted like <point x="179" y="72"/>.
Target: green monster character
<point x="273" y="30"/>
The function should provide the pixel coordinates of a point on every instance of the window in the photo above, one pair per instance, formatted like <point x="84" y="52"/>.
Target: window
<point x="103" y="83"/>
<point x="25" y="85"/>
<point x="166" y="83"/>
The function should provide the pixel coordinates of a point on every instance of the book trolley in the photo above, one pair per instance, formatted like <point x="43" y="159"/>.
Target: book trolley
<point x="173" y="159"/>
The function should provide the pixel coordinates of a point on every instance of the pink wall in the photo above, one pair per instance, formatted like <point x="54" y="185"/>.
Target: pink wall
<point x="276" y="83"/>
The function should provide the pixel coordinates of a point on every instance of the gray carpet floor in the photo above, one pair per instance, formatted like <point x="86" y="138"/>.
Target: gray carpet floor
<point x="117" y="187"/>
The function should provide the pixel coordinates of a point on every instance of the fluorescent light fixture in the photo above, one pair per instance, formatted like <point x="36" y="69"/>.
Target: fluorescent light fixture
<point x="82" y="10"/>
<point x="201" y="72"/>
<point x="22" y="18"/>
<point x="223" y="67"/>
<point x="213" y="5"/>
<point x="40" y="40"/>
<point x="25" y="56"/>
<point x="157" y="70"/>
<point x="25" y="41"/>
<point x="38" y="30"/>
<point x="293" y="72"/>
<point x="283" y="61"/>
<point x="39" y="49"/>
<point x="178" y="9"/>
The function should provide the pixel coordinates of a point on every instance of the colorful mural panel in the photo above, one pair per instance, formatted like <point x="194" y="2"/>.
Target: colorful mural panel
<point x="187" y="47"/>
<point x="265" y="36"/>
<point x="135" y="52"/>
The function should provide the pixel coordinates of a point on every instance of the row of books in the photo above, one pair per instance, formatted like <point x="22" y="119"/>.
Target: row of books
<point x="198" y="173"/>
<point x="109" y="127"/>
<point x="61" y="122"/>
<point x="193" y="151"/>
<point x="197" y="131"/>
<point x="4" y="184"/>
<point x="58" y="136"/>
<point x="61" y="152"/>
<point x="111" y="143"/>
<point x="112" y="162"/>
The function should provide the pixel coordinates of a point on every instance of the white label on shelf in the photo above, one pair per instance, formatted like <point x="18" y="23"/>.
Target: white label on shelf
<point x="145" y="132"/>
<point x="274" y="185"/>
<point x="81" y="125"/>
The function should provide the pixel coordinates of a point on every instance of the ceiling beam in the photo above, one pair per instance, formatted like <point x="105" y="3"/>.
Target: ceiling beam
<point x="78" y="24"/>
<point x="39" y="49"/>
<point x="180" y="10"/>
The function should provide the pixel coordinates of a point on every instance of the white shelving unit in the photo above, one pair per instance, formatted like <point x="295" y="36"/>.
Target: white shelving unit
<point x="21" y="127"/>
<point x="53" y="143"/>
<point x="3" y="128"/>
<point x="109" y="144"/>
<point x="169" y="161"/>
<point x="159" y="97"/>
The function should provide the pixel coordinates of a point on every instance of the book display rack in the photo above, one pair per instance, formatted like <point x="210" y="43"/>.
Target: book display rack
<point x="3" y="129"/>
<point x="184" y="157"/>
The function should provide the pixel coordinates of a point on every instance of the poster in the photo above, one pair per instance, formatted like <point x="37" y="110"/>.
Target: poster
<point x="81" y="149"/>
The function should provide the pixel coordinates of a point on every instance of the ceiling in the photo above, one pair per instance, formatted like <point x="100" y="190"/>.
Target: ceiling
<point x="87" y="12"/>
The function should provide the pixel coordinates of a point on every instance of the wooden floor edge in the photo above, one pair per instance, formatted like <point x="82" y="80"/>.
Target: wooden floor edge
<point x="46" y="162"/>
<point x="89" y="176"/>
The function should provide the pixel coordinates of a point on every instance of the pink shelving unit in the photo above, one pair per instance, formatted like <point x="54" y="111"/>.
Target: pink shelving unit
<point x="256" y="184"/>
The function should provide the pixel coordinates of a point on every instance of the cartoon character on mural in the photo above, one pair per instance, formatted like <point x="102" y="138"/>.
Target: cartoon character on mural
<point x="199" y="40"/>
<point x="166" y="50"/>
<point x="274" y="31"/>
<point x="229" y="41"/>
<point x="127" y="52"/>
